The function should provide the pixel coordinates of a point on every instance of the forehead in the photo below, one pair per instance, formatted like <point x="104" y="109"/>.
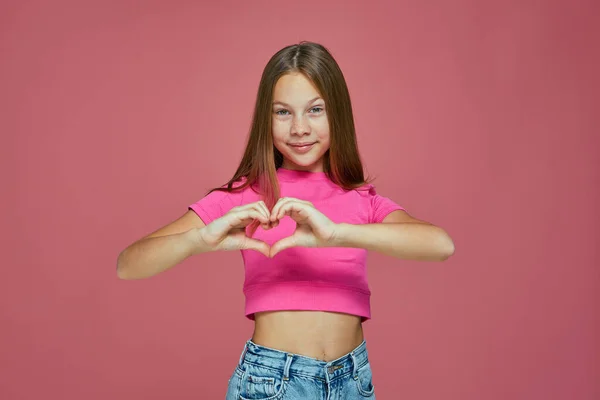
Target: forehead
<point x="294" y="86"/>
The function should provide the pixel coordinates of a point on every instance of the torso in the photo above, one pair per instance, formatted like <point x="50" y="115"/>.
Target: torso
<point x="316" y="334"/>
<point x="323" y="335"/>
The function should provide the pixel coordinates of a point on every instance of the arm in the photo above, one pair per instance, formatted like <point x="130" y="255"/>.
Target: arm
<point x="163" y="249"/>
<point x="399" y="235"/>
<point x="189" y="236"/>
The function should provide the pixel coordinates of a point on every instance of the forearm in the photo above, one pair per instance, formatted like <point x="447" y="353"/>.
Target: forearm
<point x="411" y="241"/>
<point x="151" y="256"/>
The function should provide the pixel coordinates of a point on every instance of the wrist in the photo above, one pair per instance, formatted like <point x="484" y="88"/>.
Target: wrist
<point x="343" y="235"/>
<point x="195" y="241"/>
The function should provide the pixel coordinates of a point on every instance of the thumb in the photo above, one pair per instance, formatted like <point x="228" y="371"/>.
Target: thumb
<point x="283" y="244"/>
<point x="258" y="245"/>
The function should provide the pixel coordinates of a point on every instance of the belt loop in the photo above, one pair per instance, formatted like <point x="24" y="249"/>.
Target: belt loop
<point x="354" y="366"/>
<point x="286" y="369"/>
<point x="243" y="354"/>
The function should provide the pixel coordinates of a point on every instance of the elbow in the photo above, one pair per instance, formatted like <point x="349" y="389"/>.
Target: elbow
<point x="129" y="268"/>
<point x="121" y="274"/>
<point x="122" y="270"/>
<point x="446" y="247"/>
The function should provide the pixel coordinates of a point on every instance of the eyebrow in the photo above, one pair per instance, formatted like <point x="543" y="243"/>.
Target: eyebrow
<point x="287" y="105"/>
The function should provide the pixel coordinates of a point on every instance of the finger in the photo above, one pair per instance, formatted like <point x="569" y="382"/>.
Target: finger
<point x="276" y="208"/>
<point x="246" y="216"/>
<point x="296" y="210"/>
<point x="276" y="213"/>
<point x="257" y="245"/>
<point x="259" y="206"/>
<point x="265" y="210"/>
<point x="260" y="215"/>
<point x="283" y="244"/>
<point x="285" y="206"/>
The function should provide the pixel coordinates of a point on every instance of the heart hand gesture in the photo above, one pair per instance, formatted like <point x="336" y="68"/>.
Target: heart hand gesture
<point x="313" y="229"/>
<point x="228" y="232"/>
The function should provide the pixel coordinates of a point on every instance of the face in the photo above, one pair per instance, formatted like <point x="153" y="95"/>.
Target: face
<point x="299" y="123"/>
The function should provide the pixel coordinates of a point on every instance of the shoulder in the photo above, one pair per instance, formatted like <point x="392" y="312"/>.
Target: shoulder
<point x="378" y="206"/>
<point x="236" y="189"/>
<point x="225" y="193"/>
<point x="218" y="201"/>
<point x="366" y="190"/>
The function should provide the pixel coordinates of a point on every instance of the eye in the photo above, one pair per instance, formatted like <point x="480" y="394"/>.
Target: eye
<point x="281" y="112"/>
<point x="316" y="110"/>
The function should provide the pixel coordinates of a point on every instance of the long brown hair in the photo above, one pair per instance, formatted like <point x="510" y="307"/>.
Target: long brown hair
<point x="261" y="159"/>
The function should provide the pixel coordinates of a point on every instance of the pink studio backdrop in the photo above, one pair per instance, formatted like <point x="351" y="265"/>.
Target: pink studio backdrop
<point x="478" y="116"/>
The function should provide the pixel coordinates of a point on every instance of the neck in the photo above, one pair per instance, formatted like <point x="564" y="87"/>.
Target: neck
<point x="295" y="175"/>
<point x="316" y="167"/>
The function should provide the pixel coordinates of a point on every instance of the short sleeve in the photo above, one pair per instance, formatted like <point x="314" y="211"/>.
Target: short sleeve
<point x="381" y="206"/>
<point x="216" y="204"/>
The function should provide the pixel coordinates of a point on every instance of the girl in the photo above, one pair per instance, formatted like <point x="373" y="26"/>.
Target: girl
<point x="301" y="212"/>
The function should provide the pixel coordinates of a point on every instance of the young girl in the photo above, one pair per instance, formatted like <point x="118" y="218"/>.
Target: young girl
<point x="301" y="212"/>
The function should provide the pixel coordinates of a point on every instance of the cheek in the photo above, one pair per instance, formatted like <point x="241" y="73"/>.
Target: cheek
<point x="279" y="131"/>
<point x="322" y="131"/>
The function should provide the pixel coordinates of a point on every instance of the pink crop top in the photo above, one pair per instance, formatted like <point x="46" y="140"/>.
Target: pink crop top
<point x="324" y="279"/>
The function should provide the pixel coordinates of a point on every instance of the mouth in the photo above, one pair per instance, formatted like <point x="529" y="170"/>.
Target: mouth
<point x="302" y="147"/>
<point x="303" y="144"/>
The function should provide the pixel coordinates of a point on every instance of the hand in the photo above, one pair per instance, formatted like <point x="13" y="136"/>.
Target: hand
<point x="313" y="229"/>
<point x="228" y="232"/>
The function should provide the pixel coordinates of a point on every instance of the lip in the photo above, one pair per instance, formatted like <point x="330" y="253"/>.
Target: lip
<point x="303" y="147"/>
<point x="300" y="144"/>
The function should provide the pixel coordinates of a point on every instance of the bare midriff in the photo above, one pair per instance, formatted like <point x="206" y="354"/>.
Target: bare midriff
<point x="321" y="335"/>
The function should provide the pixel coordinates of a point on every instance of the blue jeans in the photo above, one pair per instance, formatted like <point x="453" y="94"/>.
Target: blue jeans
<point x="269" y="374"/>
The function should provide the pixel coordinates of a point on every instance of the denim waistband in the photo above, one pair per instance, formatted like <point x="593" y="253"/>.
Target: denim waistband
<point x="295" y="364"/>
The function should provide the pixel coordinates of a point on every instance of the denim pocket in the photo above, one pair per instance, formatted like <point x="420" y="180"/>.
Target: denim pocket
<point x="364" y="381"/>
<point x="260" y="383"/>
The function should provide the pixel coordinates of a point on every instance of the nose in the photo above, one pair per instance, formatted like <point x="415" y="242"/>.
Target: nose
<point x="300" y="126"/>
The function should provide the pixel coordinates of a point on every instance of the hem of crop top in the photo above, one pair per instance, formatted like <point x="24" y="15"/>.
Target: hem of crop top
<point x="307" y="296"/>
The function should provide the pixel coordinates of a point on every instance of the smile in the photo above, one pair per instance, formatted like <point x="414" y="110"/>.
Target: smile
<point x="301" y="147"/>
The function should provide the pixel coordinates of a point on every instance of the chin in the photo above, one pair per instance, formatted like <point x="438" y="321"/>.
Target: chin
<point x="304" y="163"/>
<point x="305" y="159"/>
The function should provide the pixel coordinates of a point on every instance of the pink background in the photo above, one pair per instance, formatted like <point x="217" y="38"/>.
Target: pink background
<point x="478" y="116"/>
